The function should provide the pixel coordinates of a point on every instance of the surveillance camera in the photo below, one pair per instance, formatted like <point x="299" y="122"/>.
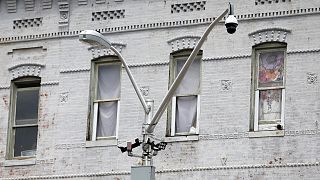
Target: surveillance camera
<point x="231" y="24"/>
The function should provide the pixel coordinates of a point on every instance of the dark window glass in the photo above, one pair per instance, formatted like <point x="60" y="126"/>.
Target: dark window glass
<point x="25" y="141"/>
<point x="27" y="106"/>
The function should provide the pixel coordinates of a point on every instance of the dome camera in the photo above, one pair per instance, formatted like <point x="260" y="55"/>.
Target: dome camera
<point x="231" y="24"/>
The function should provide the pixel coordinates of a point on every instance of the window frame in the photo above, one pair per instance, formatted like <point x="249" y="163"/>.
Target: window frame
<point x="93" y="106"/>
<point x="174" y="58"/>
<point x="20" y="84"/>
<point x="255" y="91"/>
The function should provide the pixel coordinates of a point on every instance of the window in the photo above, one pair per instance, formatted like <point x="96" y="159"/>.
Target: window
<point x="105" y="99"/>
<point x="185" y="107"/>
<point x="269" y="87"/>
<point x="23" y="124"/>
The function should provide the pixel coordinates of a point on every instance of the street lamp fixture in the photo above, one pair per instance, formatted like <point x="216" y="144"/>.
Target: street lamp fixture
<point x="94" y="38"/>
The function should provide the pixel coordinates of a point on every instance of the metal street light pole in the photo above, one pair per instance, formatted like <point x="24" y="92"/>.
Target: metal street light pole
<point x="177" y="81"/>
<point x="149" y="148"/>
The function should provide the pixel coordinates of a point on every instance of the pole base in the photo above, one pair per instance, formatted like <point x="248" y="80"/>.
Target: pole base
<point x="143" y="173"/>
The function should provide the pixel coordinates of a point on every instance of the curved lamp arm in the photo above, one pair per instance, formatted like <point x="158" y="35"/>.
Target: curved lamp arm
<point x="94" y="38"/>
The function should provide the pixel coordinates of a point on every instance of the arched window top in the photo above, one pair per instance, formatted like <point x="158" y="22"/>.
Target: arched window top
<point x="183" y="42"/>
<point x="25" y="70"/>
<point x="98" y="52"/>
<point x="269" y="35"/>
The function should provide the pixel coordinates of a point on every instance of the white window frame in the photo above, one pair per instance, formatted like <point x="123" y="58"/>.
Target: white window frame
<point x="23" y="84"/>
<point x="173" y="73"/>
<point x="95" y="103"/>
<point x="268" y="126"/>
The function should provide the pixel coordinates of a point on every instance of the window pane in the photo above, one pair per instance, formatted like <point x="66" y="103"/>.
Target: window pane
<point x="25" y="141"/>
<point x="269" y="105"/>
<point x="107" y="119"/>
<point x="271" y="69"/>
<point x="27" y="106"/>
<point x="186" y="113"/>
<point x="108" y="81"/>
<point x="191" y="82"/>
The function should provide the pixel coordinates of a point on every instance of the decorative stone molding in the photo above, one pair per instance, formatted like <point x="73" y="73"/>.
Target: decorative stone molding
<point x="29" y="5"/>
<point x="160" y="25"/>
<point x="82" y="2"/>
<point x="26" y="23"/>
<point x="106" y="15"/>
<point x="144" y="90"/>
<point x="75" y="70"/>
<point x="162" y="63"/>
<point x="98" y="52"/>
<point x="205" y="59"/>
<point x="262" y="2"/>
<point x="269" y="35"/>
<point x="50" y="83"/>
<point x="223" y="160"/>
<point x="64" y="13"/>
<point x="70" y="146"/>
<point x="184" y="42"/>
<point x="192" y="169"/>
<point x="301" y="51"/>
<point x="45" y="161"/>
<point x="64" y="97"/>
<point x="312" y="78"/>
<point x="46" y="4"/>
<point x="188" y="7"/>
<point x="244" y="56"/>
<point x="241" y="135"/>
<point x="4" y="87"/>
<point x="11" y="6"/>
<point x="28" y="69"/>
<point x="234" y="135"/>
<point x="226" y="85"/>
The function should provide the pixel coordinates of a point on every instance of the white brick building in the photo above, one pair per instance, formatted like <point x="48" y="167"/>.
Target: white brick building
<point x="253" y="112"/>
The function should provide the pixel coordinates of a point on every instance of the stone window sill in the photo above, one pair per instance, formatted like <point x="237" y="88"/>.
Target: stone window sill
<point x="258" y="134"/>
<point x="102" y="143"/>
<point x="181" y="138"/>
<point x="19" y="162"/>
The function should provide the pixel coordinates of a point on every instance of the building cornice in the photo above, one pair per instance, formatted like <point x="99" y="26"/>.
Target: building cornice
<point x="161" y="25"/>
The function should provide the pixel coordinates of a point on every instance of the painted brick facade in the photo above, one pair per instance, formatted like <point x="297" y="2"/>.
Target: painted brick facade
<point x="145" y="33"/>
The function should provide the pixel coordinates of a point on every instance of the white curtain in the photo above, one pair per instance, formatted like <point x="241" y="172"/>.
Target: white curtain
<point x="191" y="81"/>
<point x="186" y="113"/>
<point x="186" y="106"/>
<point x="107" y="119"/>
<point x="108" y="88"/>
<point x="108" y="82"/>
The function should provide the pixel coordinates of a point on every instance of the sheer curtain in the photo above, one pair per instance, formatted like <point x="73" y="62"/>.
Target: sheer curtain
<point x="191" y="81"/>
<point x="107" y="119"/>
<point x="186" y="113"/>
<point x="108" y="92"/>
<point x="108" y="82"/>
<point x="186" y="97"/>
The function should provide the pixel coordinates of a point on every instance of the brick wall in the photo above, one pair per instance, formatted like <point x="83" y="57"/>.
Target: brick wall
<point x="224" y="150"/>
